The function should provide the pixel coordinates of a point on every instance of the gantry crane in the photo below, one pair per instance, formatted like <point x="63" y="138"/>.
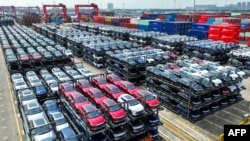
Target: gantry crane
<point x="29" y="8"/>
<point x="77" y="10"/>
<point x="64" y="10"/>
<point x="13" y="8"/>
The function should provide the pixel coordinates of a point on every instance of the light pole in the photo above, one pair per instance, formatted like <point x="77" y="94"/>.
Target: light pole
<point x="193" y="12"/>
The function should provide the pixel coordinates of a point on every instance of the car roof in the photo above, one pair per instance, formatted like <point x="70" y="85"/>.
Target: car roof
<point x="89" y="108"/>
<point x="76" y="95"/>
<point x="126" y="83"/>
<point x="109" y="102"/>
<point x="32" y="105"/>
<point x="127" y="97"/>
<point x="57" y="115"/>
<point x="111" y="86"/>
<point x="68" y="132"/>
<point x="95" y="90"/>
<point x="39" y="122"/>
<point x="49" y="102"/>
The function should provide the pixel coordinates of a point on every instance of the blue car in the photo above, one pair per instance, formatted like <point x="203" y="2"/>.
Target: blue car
<point x="40" y="90"/>
<point x="50" y="107"/>
<point x="68" y="134"/>
<point x="153" y="119"/>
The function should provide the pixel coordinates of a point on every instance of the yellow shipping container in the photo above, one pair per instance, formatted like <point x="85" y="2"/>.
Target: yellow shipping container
<point x="108" y="19"/>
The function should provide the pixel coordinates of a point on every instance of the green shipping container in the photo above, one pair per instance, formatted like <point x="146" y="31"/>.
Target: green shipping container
<point x="247" y="34"/>
<point x="235" y="14"/>
<point x="143" y="22"/>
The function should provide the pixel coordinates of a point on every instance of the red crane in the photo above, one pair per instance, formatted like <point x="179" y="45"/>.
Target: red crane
<point x="13" y="8"/>
<point x="29" y="8"/>
<point x="64" y="10"/>
<point x="77" y="10"/>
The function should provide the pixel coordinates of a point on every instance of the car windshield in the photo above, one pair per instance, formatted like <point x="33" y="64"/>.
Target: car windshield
<point x="34" y="111"/>
<point x="114" y="108"/>
<point x="102" y="81"/>
<point x="116" y="78"/>
<point x="205" y="81"/>
<point x="42" y="130"/>
<point x="61" y="121"/>
<point x="115" y="90"/>
<point x="54" y="85"/>
<point x="40" y="87"/>
<point x="28" y="97"/>
<point x="20" y="83"/>
<point x="99" y="95"/>
<point x="69" y="88"/>
<point x="149" y="97"/>
<point x="80" y="99"/>
<point x="133" y="102"/>
<point x="93" y="114"/>
<point x="52" y="107"/>
<point x="131" y="86"/>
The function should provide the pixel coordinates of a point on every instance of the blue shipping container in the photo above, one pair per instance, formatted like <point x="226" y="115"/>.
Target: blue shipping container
<point x="244" y="25"/>
<point x="156" y="23"/>
<point x="201" y="27"/>
<point x="198" y="34"/>
<point x="157" y="29"/>
<point x="142" y="27"/>
<point x="115" y="23"/>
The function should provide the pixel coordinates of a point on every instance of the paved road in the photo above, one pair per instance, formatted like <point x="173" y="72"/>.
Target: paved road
<point x="10" y="127"/>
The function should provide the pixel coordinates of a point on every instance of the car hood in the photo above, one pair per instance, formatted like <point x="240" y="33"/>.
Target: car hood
<point x="97" y="121"/>
<point x="133" y="91"/>
<point x="69" y="93"/>
<point x="79" y="105"/>
<point x="153" y="103"/>
<point x="62" y="126"/>
<point x="118" y="114"/>
<point x="99" y="100"/>
<point x="136" y="108"/>
<point x="43" y="137"/>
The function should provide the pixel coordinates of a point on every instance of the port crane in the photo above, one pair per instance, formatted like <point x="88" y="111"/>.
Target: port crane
<point x="78" y="6"/>
<point x="13" y="8"/>
<point x="64" y="10"/>
<point x="29" y="9"/>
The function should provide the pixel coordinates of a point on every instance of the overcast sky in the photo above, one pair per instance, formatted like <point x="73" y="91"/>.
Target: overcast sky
<point x="119" y="3"/>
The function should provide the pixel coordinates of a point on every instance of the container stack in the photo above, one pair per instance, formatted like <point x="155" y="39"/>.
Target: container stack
<point x="156" y="26"/>
<point x="180" y="28"/>
<point x="143" y="24"/>
<point x="199" y="31"/>
<point x="226" y="33"/>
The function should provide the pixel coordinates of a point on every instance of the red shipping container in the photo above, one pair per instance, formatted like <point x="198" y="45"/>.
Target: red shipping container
<point x="214" y="37"/>
<point x="132" y="26"/>
<point x="122" y="24"/>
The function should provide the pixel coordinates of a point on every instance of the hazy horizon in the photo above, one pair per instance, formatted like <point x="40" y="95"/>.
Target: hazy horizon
<point x="127" y="4"/>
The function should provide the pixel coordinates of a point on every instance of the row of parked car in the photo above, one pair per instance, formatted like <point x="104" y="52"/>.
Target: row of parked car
<point x="106" y="97"/>
<point x="209" y="49"/>
<point x="131" y="64"/>
<point x="240" y="58"/>
<point x="195" y="85"/>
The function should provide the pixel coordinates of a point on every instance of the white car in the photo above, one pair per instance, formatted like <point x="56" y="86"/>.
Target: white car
<point x="56" y="70"/>
<point x="130" y="104"/>
<point x="68" y="52"/>
<point x="85" y="72"/>
<point x="26" y="96"/>
<point x="41" y="130"/>
<point x="30" y="74"/>
<point x="19" y="84"/>
<point x="75" y="74"/>
<point x="35" y="81"/>
<point x="33" y="110"/>
<point x="217" y="82"/>
<point x="16" y="76"/>
<point x="49" y="79"/>
<point x="232" y="88"/>
<point x="59" y="120"/>
<point x="240" y="86"/>
<point x="53" y="87"/>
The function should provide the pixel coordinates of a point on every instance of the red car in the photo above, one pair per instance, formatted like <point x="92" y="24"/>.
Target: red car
<point x="99" y="82"/>
<point x="36" y="56"/>
<point x="67" y="89"/>
<point x="83" y="85"/>
<point x="113" y="110"/>
<point x="97" y="96"/>
<point x="173" y="66"/>
<point x="128" y="87"/>
<point x="198" y="61"/>
<point x="93" y="117"/>
<point x="77" y="100"/>
<point x="24" y="57"/>
<point x="114" y="79"/>
<point x="113" y="91"/>
<point x="171" y="55"/>
<point x="149" y="99"/>
<point x="224" y="91"/>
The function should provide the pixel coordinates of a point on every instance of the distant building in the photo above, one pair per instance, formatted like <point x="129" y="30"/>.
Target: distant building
<point x="205" y="7"/>
<point x="239" y="5"/>
<point x="110" y="6"/>
<point x="243" y="5"/>
<point x="248" y="5"/>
